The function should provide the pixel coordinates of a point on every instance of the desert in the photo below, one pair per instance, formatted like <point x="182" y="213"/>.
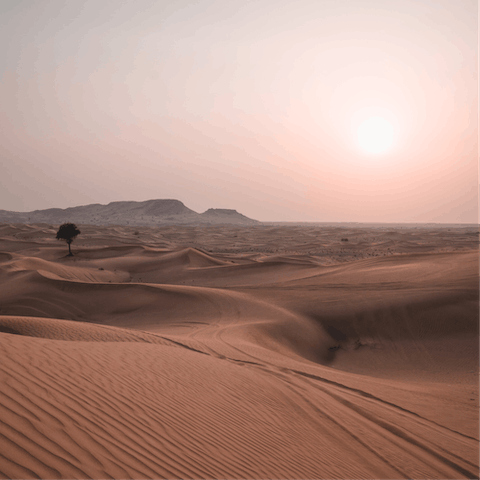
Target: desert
<point x="239" y="239"/>
<point x="239" y="351"/>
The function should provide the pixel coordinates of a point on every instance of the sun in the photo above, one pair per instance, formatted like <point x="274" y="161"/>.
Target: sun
<point x="375" y="135"/>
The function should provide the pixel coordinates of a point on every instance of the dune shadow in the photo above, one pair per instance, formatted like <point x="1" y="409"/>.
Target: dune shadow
<point x="5" y="329"/>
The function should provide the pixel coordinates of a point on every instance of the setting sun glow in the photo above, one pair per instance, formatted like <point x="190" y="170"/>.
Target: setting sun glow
<point x="375" y="135"/>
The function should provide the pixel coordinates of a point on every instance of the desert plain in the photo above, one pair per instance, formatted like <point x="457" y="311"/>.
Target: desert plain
<point x="223" y="351"/>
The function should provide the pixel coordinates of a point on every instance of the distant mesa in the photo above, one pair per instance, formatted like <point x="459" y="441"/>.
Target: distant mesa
<point x="148" y="213"/>
<point x="221" y="212"/>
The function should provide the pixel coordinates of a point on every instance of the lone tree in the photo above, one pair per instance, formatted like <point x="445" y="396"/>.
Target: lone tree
<point x="68" y="232"/>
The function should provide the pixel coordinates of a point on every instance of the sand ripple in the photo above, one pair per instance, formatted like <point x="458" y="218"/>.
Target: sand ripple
<point x="168" y="361"/>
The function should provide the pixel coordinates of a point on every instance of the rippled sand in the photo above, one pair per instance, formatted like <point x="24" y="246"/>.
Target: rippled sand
<point x="239" y="352"/>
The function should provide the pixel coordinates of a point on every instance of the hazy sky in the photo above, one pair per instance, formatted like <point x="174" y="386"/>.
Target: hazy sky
<point x="251" y="105"/>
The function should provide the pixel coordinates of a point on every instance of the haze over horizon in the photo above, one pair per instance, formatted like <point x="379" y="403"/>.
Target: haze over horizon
<point x="326" y="111"/>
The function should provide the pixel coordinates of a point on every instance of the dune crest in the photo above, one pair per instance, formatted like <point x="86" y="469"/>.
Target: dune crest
<point x="188" y="352"/>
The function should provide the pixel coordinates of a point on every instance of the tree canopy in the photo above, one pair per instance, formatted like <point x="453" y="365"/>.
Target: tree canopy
<point x="68" y="232"/>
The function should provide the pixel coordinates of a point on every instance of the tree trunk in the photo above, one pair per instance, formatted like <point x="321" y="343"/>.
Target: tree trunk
<point x="69" y="249"/>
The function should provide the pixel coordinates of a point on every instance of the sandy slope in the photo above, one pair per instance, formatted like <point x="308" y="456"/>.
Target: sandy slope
<point x="224" y="352"/>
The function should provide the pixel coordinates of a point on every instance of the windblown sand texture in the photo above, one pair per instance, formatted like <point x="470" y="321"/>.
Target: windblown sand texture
<point x="239" y="352"/>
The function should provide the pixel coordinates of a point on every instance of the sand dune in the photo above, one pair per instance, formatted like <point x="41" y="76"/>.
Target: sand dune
<point x="229" y="352"/>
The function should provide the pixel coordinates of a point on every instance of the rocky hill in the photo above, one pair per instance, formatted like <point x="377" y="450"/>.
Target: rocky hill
<point x="148" y="213"/>
<point x="223" y="215"/>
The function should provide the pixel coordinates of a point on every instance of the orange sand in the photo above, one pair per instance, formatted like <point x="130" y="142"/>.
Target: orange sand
<point x="239" y="352"/>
